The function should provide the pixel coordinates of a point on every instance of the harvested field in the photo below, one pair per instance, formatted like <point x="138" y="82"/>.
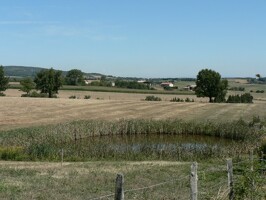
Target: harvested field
<point x="24" y="112"/>
<point x="109" y="95"/>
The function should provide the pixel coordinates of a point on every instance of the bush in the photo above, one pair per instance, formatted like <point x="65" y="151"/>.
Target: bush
<point x="72" y="97"/>
<point x="87" y="96"/>
<point x="2" y="94"/>
<point x="243" y="98"/>
<point x="35" y="94"/>
<point x="182" y="100"/>
<point x="168" y="88"/>
<point x="260" y="91"/>
<point x="153" y="98"/>
<point x="237" y="89"/>
<point x="131" y="85"/>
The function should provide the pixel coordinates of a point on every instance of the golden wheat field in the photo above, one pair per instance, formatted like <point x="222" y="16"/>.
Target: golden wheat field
<point x="17" y="112"/>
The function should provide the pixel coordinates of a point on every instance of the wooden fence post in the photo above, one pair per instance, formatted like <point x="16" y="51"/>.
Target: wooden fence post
<point x="62" y="157"/>
<point x="194" y="181"/>
<point x="119" y="189"/>
<point x="251" y="158"/>
<point x="230" y="178"/>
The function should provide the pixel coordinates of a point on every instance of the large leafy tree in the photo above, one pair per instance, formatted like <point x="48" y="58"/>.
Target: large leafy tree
<point x="209" y="84"/>
<point x="3" y="80"/>
<point x="48" y="81"/>
<point x="74" y="77"/>
<point x="27" y="85"/>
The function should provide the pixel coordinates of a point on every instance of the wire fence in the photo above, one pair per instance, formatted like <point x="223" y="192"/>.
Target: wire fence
<point x="211" y="183"/>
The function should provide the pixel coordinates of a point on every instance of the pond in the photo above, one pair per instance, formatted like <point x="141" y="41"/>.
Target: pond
<point x="155" y="146"/>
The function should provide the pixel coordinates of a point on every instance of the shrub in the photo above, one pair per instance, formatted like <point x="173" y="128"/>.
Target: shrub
<point x="237" y="88"/>
<point x="87" y="96"/>
<point x="260" y="91"/>
<point x="72" y="97"/>
<point x="37" y="95"/>
<point x="168" y="88"/>
<point x="243" y="98"/>
<point x="182" y="100"/>
<point x="152" y="98"/>
<point x="2" y="94"/>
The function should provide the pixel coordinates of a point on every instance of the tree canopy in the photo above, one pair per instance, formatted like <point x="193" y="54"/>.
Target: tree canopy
<point x="48" y="81"/>
<point x="27" y="85"/>
<point x="209" y="84"/>
<point x="3" y="80"/>
<point x="74" y="77"/>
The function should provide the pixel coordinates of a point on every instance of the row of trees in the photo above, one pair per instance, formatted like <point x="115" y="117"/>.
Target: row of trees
<point x="209" y="83"/>
<point x="131" y="85"/>
<point x="46" y="81"/>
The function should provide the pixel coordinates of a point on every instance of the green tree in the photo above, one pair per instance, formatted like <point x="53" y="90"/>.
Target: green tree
<point x="3" y="81"/>
<point x="48" y="81"/>
<point x="209" y="84"/>
<point x="27" y="85"/>
<point x="74" y="77"/>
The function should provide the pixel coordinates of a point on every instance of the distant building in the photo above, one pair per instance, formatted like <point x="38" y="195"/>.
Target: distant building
<point x="167" y="84"/>
<point x="148" y="83"/>
<point x="190" y="87"/>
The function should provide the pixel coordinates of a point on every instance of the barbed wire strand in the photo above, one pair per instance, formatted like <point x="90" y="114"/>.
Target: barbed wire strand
<point x="155" y="185"/>
<point x="137" y="189"/>
<point x="213" y="186"/>
<point x="109" y="195"/>
<point x="219" y="184"/>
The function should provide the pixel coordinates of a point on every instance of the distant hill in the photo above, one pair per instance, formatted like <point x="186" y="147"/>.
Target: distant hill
<point x="23" y="71"/>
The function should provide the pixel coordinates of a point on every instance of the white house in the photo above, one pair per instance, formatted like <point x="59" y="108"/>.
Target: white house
<point x="167" y="84"/>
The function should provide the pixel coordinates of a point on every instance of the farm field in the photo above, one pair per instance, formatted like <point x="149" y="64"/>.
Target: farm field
<point x="24" y="112"/>
<point x="162" y="177"/>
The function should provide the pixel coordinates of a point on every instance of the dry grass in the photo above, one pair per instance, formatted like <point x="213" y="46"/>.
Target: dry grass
<point x="24" y="112"/>
<point x="34" y="180"/>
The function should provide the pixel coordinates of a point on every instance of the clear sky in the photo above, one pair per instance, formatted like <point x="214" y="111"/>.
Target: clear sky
<point x="136" y="38"/>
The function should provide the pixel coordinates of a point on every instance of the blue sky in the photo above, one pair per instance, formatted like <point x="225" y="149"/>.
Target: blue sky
<point x="137" y="38"/>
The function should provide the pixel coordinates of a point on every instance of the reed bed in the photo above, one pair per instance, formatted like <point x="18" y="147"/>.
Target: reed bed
<point x="129" y="140"/>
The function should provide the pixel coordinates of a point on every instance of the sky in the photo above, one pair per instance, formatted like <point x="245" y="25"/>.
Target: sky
<point x="136" y="38"/>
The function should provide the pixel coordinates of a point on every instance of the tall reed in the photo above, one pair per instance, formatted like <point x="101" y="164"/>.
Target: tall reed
<point x="84" y="139"/>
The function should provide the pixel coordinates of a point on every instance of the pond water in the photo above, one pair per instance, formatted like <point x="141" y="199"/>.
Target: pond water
<point x="157" y="146"/>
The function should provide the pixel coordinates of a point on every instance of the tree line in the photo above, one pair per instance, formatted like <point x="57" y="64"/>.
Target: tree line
<point x="208" y="84"/>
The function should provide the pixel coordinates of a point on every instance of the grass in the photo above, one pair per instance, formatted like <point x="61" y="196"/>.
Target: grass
<point x="114" y="89"/>
<point x="19" y="112"/>
<point x="114" y="114"/>
<point x="117" y="140"/>
<point x="88" y="180"/>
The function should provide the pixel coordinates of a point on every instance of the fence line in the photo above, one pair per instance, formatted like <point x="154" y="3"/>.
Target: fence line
<point x="155" y="185"/>
<point x="143" y="188"/>
<point x="224" y="191"/>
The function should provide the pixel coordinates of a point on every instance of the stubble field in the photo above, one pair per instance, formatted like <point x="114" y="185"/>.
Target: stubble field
<point x="24" y="112"/>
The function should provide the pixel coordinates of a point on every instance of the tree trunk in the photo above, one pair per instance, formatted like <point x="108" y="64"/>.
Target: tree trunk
<point x="210" y="99"/>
